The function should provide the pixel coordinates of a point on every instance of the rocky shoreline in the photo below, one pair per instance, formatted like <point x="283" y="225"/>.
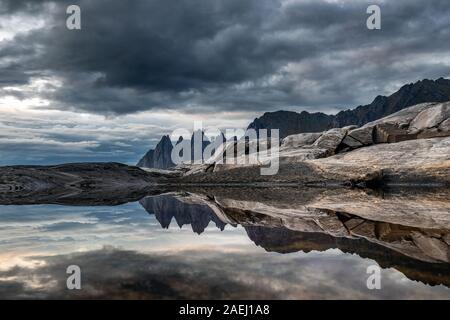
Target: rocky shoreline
<point x="401" y="228"/>
<point x="105" y="183"/>
<point x="408" y="148"/>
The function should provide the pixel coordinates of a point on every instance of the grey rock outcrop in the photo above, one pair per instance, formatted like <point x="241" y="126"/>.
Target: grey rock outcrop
<point x="330" y="141"/>
<point x="430" y="118"/>
<point x="417" y="122"/>
<point x="359" y="137"/>
<point x="383" y="150"/>
<point x="300" y="140"/>
<point x="416" y="161"/>
<point x="445" y="126"/>
<point x="74" y="183"/>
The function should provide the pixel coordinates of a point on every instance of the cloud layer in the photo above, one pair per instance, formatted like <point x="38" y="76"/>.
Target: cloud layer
<point x="225" y="53"/>
<point x="124" y="253"/>
<point x="213" y="56"/>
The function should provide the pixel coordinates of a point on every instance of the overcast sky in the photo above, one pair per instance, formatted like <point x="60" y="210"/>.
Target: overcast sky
<point x="139" y="69"/>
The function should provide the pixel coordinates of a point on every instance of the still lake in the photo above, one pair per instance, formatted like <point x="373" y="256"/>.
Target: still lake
<point x="149" y="251"/>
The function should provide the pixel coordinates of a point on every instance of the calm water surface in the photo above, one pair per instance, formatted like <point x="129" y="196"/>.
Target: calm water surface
<point x="154" y="251"/>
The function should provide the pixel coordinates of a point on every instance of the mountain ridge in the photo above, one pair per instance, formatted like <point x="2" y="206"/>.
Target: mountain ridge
<point x="291" y="122"/>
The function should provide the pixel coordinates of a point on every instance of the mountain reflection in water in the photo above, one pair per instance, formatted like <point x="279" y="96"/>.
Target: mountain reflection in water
<point x="420" y="254"/>
<point x="317" y="244"/>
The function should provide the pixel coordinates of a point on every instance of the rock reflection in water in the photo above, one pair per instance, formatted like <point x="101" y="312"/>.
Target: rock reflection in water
<point x="292" y="220"/>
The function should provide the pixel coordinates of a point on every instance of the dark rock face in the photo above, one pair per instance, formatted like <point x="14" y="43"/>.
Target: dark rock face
<point x="291" y="123"/>
<point x="147" y="160"/>
<point x="160" y="157"/>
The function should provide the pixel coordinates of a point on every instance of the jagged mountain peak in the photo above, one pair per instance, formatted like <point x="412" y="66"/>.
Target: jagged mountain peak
<point x="160" y="157"/>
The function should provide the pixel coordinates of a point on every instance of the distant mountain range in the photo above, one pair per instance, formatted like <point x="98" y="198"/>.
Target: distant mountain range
<point x="160" y="157"/>
<point x="289" y="122"/>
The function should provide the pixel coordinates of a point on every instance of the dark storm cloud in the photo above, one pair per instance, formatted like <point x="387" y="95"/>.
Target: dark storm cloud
<point x="208" y="55"/>
<point x="12" y="6"/>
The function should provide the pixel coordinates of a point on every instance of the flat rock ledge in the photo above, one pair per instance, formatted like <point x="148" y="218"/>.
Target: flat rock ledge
<point x="105" y="183"/>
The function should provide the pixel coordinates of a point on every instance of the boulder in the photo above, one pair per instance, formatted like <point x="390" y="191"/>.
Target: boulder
<point x="391" y="133"/>
<point x="330" y="140"/>
<point x="301" y="154"/>
<point x="404" y="116"/>
<point x="351" y="142"/>
<point x="445" y="126"/>
<point x="362" y="135"/>
<point x="300" y="140"/>
<point x="389" y="129"/>
<point x="348" y="128"/>
<point x="430" y="118"/>
<point x="423" y="121"/>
